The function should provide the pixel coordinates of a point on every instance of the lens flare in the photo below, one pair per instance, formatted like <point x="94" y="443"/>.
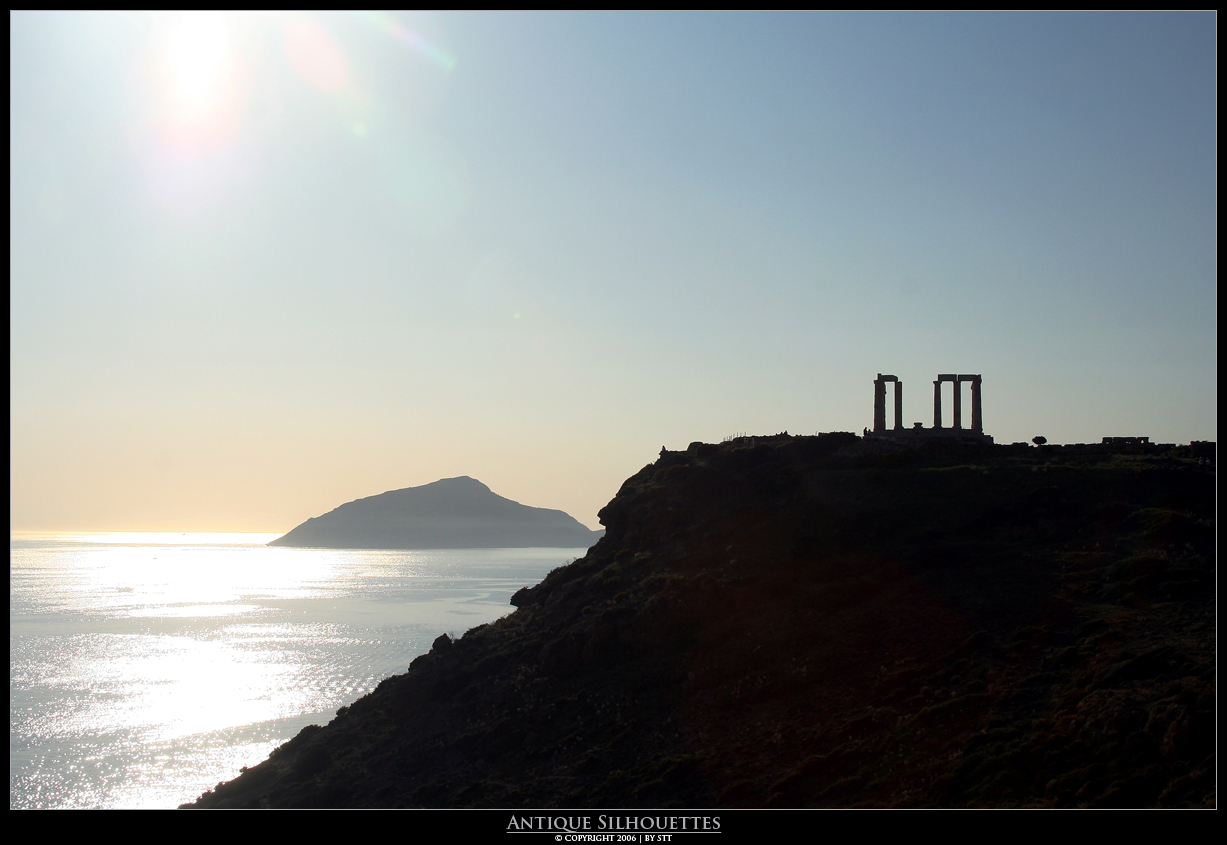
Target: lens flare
<point x="315" y="55"/>
<point x="436" y="54"/>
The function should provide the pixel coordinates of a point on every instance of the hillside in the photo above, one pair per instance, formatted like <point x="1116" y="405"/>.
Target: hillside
<point x="452" y="513"/>
<point x="820" y="622"/>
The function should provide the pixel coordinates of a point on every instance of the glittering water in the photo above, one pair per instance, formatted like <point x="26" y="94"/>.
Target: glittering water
<point x="144" y="669"/>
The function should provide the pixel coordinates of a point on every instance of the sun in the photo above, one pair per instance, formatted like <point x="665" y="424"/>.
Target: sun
<point x="196" y="73"/>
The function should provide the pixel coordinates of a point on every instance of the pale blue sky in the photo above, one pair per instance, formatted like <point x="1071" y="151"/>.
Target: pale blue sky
<point x="329" y="255"/>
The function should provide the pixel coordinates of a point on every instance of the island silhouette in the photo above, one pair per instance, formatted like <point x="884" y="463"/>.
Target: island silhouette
<point x="452" y="513"/>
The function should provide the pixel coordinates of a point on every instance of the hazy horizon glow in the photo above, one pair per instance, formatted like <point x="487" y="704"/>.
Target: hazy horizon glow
<point x="152" y="538"/>
<point x="266" y="263"/>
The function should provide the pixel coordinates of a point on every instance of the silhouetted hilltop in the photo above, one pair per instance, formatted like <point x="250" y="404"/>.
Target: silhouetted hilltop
<point x="453" y="513"/>
<point x="815" y="622"/>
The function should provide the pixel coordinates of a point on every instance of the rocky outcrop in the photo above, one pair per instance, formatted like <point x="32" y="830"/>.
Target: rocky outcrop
<point x="820" y="622"/>
<point x="453" y="513"/>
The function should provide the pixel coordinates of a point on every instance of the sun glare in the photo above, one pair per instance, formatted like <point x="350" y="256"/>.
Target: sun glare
<point x="315" y="55"/>
<point x="197" y="82"/>
<point x="197" y="76"/>
<point x="215" y="101"/>
<point x="196" y="52"/>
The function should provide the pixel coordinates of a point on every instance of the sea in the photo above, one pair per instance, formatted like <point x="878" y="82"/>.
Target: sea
<point x="146" y="668"/>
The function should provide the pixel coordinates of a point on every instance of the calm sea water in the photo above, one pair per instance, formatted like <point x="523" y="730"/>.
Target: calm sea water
<point x="146" y="668"/>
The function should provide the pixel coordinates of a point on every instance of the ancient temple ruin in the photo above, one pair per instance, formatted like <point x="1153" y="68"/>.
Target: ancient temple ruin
<point x="974" y="432"/>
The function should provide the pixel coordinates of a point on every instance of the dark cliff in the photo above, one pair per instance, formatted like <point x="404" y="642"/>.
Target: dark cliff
<point x="820" y="621"/>
<point x="452" y="513"/>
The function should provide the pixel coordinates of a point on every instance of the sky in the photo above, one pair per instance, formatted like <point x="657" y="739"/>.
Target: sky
<point x="262" y="264"/>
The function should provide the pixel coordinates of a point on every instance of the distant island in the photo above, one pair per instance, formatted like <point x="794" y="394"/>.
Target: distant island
<point x="452" y="513"/>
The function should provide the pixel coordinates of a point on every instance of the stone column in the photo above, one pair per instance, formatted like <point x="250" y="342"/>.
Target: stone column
<point x="958" y="404"/>
<point x="898" y="406"/>
<point x="937" y="404"/>
<point x="977" y="421"/>
<point x="879" y="405"/>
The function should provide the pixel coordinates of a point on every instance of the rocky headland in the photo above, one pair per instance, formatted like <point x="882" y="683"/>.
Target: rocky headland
<point x="452" y="513"/>
<point x="821" y="622"/>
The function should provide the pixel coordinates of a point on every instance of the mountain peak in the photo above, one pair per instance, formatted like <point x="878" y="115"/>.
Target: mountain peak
<point x="450" y="513"/>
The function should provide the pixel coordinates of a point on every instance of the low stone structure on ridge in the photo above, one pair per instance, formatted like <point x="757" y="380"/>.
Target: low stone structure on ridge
<point x="975" y="432"/>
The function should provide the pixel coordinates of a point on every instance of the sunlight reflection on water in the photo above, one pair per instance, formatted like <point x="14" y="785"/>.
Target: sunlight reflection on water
<point x="142" y="674"/>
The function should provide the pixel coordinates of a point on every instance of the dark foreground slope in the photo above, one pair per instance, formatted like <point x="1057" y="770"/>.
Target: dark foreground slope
<point x="452" y="513"/>
<point x="809" y="622"/>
